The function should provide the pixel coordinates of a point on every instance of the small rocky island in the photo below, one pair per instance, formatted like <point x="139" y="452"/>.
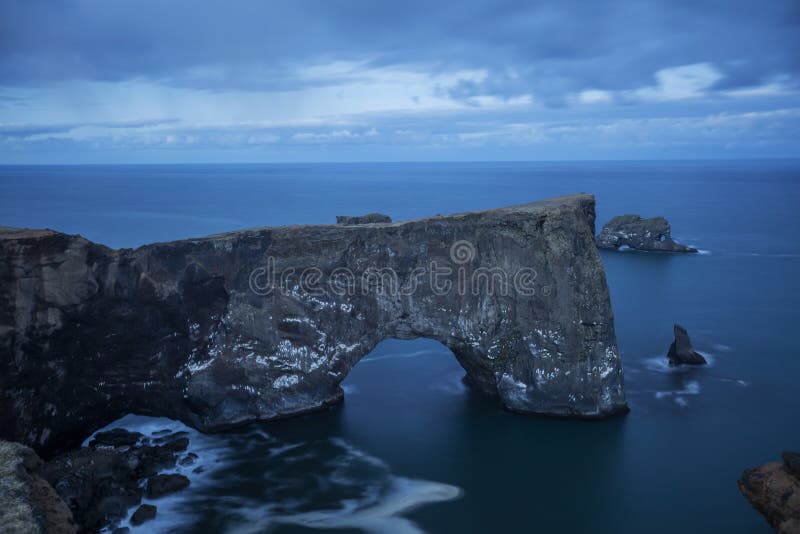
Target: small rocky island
<point x="632" y="231"/>
<point x="681" y="351"/>
<point x="266" y="323"/>
<point x="369" y="218"/>
<point x="774" y="490"/>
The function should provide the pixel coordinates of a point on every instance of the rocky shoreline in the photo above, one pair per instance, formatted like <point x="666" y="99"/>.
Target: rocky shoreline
<point x="93" y="487"/>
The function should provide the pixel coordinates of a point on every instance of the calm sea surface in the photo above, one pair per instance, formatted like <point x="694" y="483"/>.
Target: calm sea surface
<point x="411" y="449"/>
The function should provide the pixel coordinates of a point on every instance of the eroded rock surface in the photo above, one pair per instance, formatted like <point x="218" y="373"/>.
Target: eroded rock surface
<point x="774" y="490"/>
<point x="634" y="232"/>
<point x="265" y="323"/>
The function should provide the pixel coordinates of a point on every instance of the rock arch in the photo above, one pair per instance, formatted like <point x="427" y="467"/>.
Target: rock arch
<point x="266" y="323"/>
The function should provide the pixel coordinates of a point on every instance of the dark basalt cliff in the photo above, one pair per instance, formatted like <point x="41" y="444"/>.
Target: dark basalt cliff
<point x="633" y="231"/>
<point x="265" y="323"/>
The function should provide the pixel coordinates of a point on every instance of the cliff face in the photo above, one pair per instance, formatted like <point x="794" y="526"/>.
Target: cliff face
<point x="265" y="323"/>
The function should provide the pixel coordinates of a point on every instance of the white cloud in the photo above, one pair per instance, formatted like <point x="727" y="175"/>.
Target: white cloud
<point x="594" y="96"/>
<point x="679" y="83"/>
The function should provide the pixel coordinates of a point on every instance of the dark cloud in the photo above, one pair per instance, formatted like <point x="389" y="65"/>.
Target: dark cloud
<point x="11" y="131"/>
<point x="548" y="48"/>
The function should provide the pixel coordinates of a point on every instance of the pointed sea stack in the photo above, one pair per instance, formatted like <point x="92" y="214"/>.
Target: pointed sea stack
<point x="681" y="351"/>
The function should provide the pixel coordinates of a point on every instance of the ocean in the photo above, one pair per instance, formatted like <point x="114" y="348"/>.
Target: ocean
<point x="412" y="449"/>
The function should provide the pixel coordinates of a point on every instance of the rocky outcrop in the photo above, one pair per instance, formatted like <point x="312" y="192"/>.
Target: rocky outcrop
<point x="265" y="323"/>
<point x="28" y="504"/>
<point x="681" y="350"/>
<point x="774" y="490"/>
<point x="634" y="232"/>
<point x="102" y="482"/>
<point x="144" y="513"/>
<point x="369" y="218"/>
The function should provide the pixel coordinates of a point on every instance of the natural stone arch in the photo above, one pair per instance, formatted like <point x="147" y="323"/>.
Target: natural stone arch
<point x="266" y="323"/>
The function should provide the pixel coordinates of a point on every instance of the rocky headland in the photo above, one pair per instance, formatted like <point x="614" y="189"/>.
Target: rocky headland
<point x="632" y="231"/>
<point x="774" y="490"/>
<point x="265" y="323"/>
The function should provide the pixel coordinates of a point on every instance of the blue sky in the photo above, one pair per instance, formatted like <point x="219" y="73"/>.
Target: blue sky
<point x="94" y="81"/>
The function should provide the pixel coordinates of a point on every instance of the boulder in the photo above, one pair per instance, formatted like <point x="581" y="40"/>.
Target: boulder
<point x="681" y="351"/>
<point x="634" y="232"/>
<point x="160" y="485"/>
<point x="118" y="437"/>
<point x="101" y="484"/>
<point x="145" y="512"/>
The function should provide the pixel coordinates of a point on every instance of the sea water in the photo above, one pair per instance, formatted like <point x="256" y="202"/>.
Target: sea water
<point x="412" y="449"/>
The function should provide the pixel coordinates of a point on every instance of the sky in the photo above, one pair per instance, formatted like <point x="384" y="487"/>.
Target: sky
<point x="182" y="81"/>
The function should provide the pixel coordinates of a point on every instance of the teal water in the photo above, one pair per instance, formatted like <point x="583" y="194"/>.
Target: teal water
<point x="411" y="449"/>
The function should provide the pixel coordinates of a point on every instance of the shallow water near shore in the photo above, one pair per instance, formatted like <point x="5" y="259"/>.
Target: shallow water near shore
<point x="414" y="450"/>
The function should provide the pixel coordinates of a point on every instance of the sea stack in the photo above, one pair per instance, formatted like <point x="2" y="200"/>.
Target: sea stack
<point x="633" y="231"/>
<point x="681" y="351"/>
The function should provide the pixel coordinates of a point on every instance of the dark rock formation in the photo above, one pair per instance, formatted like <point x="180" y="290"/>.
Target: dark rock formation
<point x="145" y="512"/>
<point x="118" y="437"/>
<point x="792" y="462"/>
<point x="681" y="351"/>
<point x="160" y="485"/>
<point x="28" y="504"/>
<point x="774" y="490"/>
<point x="369" y="218"/>
<point x="100" y="483"/>
<point x="265" y="323"/>
<point x="640" y="234"/>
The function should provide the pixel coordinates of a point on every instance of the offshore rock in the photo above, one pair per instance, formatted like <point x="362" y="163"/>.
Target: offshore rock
<point x="369" y="218"/>
<point x="640" y="234"/>
<point x="681" y="350"/>
<point x="145" y="512"/>
<point x="774" y="490"/>
<point x="266" y="323"/>
<point x="160" y="485"/>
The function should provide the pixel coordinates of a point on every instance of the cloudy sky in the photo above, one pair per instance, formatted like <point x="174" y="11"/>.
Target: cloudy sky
<point x="340" y="80"/>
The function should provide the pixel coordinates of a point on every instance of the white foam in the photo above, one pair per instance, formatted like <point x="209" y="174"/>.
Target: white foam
<point x="210" y="452"/>
<point x="349" y="389"/>
<point x="660" y="364"/>
<point x="379" y="507"/>
<point x="691" y="387"/>
<point x="383" y="516"/>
